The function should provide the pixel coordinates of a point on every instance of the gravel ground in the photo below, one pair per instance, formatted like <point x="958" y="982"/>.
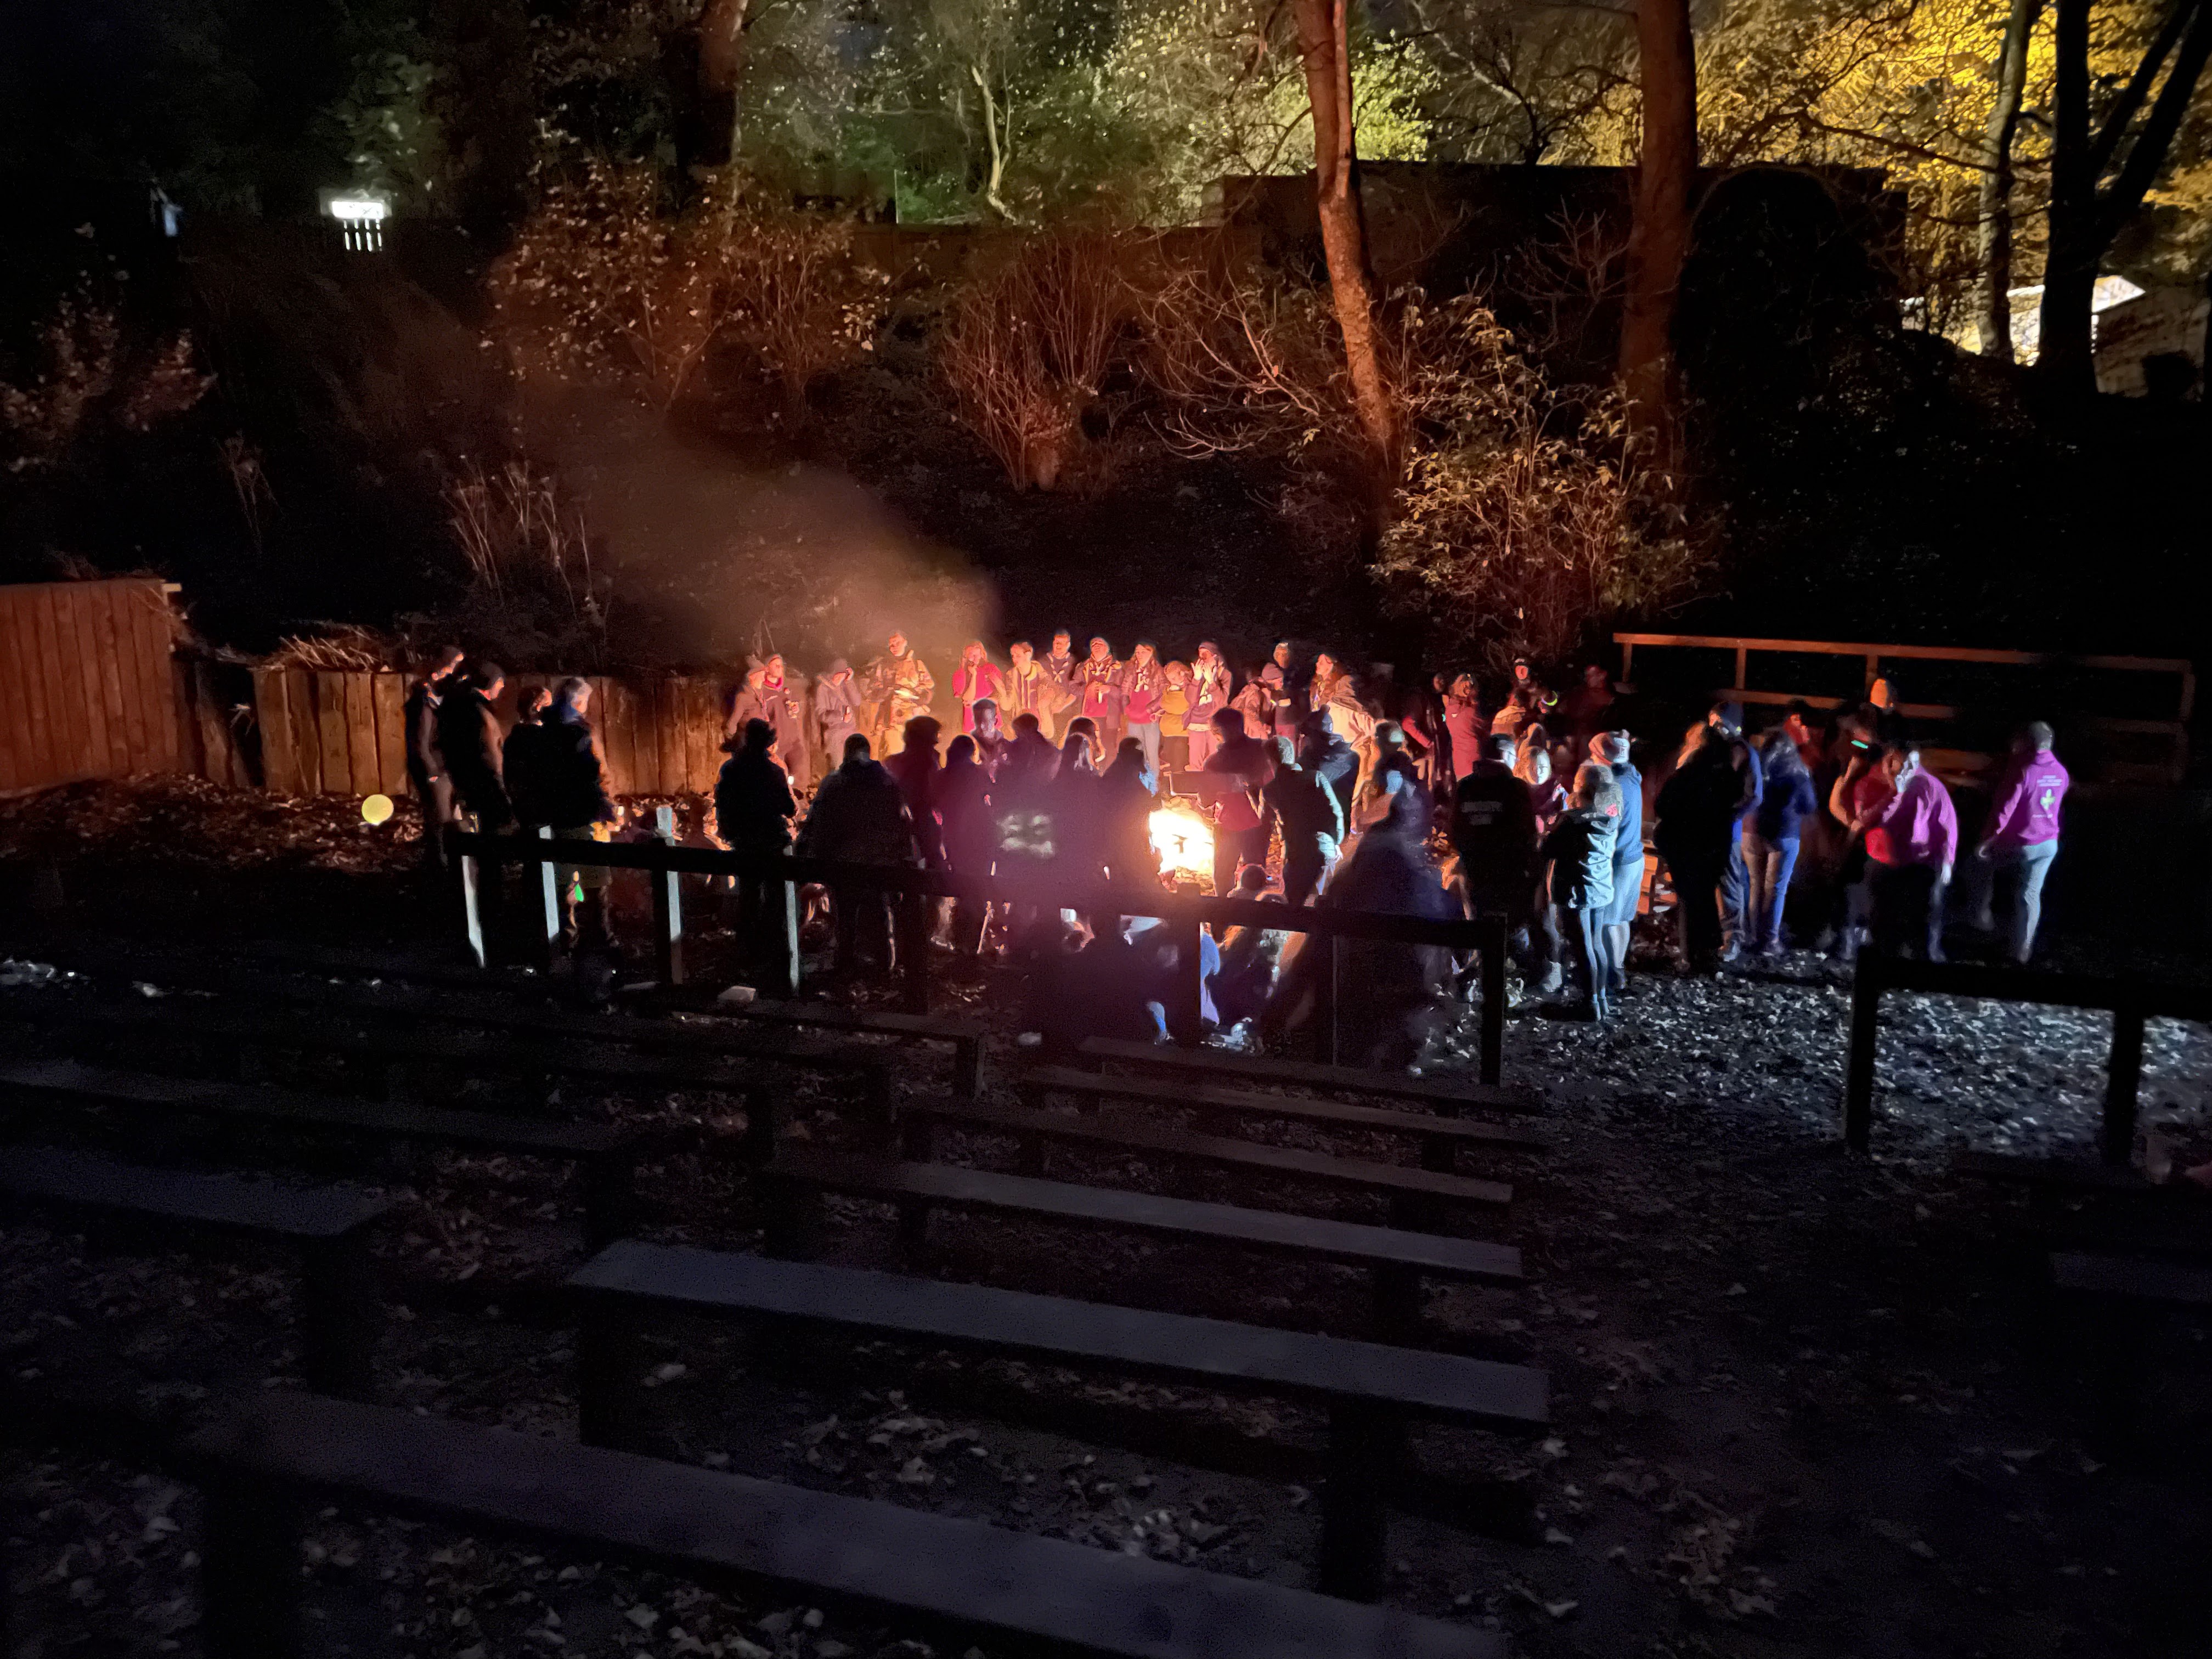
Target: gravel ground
<point x="1805" y="1404"/>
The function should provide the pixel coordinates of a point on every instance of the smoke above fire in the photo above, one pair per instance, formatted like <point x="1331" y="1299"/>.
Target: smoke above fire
<point x="707" y="559"/>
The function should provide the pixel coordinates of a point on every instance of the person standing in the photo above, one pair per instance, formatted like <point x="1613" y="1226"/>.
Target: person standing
<point x="1144" y="684"/>
<point x="1322" y="752"/>
<point x="2021" y="839"/>
<point x="916" y="768"/>
<point x="1079" y="857"/>
<point x="1311" y="819"/>
<point x="1698" y="809"/>
<point x="579" y="808"/>
<point x="1770" y="841"/>
<point x="1579" y="849"/>
<point x="753" y="813"/>
<point x="970" y="840"/>
<point x="1065" y="670"/>
<point x="1175" y="725"/>
<point x="1100" y="678"/>
<point x="1255" y="704"/>
<point x="468" y="738"/>
<point x="523" y="758"/>
<point x="1612" y="748"/>
<point x="837" y="708"/>
<point x="783" y="703"/>
<point x="1210" y="693"/>
<point x="1465" y="729"/>
<point x="1283" y="701"/>
<point x="1727" y="719"/>
<point x="1493" y="831"/>
<point x="992" y="740"/>
<point x="1912" y="867"/>
<point x="1029" y="689"/>
<point x="426" y="765"/>
<point x="901" y="685"/>
<point x="1126" y="797"/>
<point x="1235" y="775"/>
<point x="977" y="679"/>
<point x="1860" y="785"/>
<point x="858" y="817"/>
<point x="1588" y="709"/>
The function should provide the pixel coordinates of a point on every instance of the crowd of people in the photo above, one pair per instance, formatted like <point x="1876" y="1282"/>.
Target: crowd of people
<point x="1318" y="789"/>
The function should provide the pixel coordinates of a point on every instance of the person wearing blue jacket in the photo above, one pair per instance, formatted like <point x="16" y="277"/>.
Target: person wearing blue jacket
<point x="1610" y="751"/>
<point x="1769" y="841"/>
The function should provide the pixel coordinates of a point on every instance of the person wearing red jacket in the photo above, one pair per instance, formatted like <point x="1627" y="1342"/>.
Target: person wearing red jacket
<point x="1099" y="682"/>
<point x="977" y="679"/>
<point x="1144" y="684"/>
<point x="2020" y="839"/>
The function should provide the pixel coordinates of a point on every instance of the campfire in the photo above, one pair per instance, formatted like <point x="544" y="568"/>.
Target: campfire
<point x="1184" y="840"/>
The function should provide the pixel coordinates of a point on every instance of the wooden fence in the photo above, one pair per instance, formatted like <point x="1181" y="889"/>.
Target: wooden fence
<point x="331" y="731"/>
<point x="89" y="683"/>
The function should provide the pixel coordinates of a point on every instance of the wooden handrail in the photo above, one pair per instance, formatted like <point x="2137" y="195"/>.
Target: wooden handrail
<point x="1913" y="653"/>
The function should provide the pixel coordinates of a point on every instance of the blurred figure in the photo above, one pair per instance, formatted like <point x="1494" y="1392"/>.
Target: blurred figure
<point x="1325" y="754"/>
<point x="1128" y="794"/>
<point x="1698" y="809"/>
<point x="1388" y="994"/>
<point x="859" y="816"/>
<point x="1250" y="957"/>
<point x="1029" y="688"/>
<point x="1312" y="822"/>
<point x="1078" y="859"/>
<point x="1579" y="849"/>
<point x="1860" y="787"/>
<point x="991" y="741"/>
<point x="523" y="758"/>
<point x="1256" y="703"/>
<point x="1465" y="729"/>
<point x="1279" y="687"/>
<point x="837" y="708"/>
<point x="1547" y="797"/>
<point x="426" y="763"/>
<point x="1175" y="724"/>
<point x="1210" y="692"/>
<point x="1235" y="775"/>
<point x="970" y="839"/>
<point x="2020" y="840"/>
<point x="977" y="679"/>
<point x="578" y="806"/>
<point x="1144" y="682"/>
<point x="1493" y="831"/>
<point x="1612" y="748"/>
<point x="1029" y="761"/>
<point x="1588" y="709"/>
<point x="783" y="706"/>
<point x="915" y="768"/>
<point x="1911" y="865"/>
<point x="1727" y="719"/>
<point x="1065" y="672"/>
<point x="1101" y="681"/>
<point x="900" y="685"/>
<point x="1769" y="845"/>
<point x="753" y="813"/>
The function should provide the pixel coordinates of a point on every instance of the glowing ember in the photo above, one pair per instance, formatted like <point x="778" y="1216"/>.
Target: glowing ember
<point x="1184" y="840"/>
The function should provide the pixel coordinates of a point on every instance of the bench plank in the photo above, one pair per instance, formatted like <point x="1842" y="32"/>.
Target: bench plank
<point x="54" y="1176"/>
<point x="2076" y="1173"/>
<point x="1506" y="1097"/>
<point x="1345" y="1241"/>
<point x="1123" y="1135"/>
<point x="1065" y="1079"/>
<point x="2139" y="1278"/>
<point x="673" y="1516"/>
<point x="1211" y="1351"/>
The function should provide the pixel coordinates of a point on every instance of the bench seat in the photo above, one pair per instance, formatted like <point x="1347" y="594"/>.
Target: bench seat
<point x="1448" y="1095"/>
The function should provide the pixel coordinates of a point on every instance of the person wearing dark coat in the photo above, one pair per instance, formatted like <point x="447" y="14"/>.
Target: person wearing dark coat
<point x="753" y="810"/>
<point x="1073" y="805"/>
<point x="1770" y="839"/>
<point x="572" y="793"/>
<point x="915" y="767"/>
<point x="970" y="839"/>
<point x="1493" y="831"/>
<point x="1126" y="796"/>
<point x="523" y="758"/>
<point x="1698" y="811"/>
<point x="1325" y="754"/>
<point x="1231" y="781"/>
<point x="469" y="738"/>
<point x="1579" y="849"/>
<point x="859" y="816"/>
<point x="426" y="766"/>
<point x="837" y="699"/>
<point x="1311" y="819"/>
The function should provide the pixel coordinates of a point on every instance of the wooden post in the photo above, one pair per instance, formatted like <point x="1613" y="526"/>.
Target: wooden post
<point x="250" y="1570"/>
<point x="2123" y="1085"/>
<point x="788" y="982"/>
<point x="471" y="907"/>
<point x="341" y="1317"/>
<point x="1858" y="1071"/>
<point x="668" y="905"/>
<point x="1364" y="1451"/>
<point x="1324" y="997"/>
<point x="1742" y="667"/>
<point x="549" y="888"/>
<point x="914" y="930"/>
<point x="1188" y="1026"/>
<point x="1493" y="998"/>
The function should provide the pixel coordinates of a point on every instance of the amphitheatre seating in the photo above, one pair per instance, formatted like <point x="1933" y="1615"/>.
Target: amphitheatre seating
<point x="1369" y="1390"/>
<point x="2053" y="1177"/>
<point x="1415" y="1195"/>
<point x="995" y="1585"/>
<point x="1443" y="1094"/>
<point x="966" y="1036"/>
<point x="2134" y="1279"/>
<point x="605" y="1158"/>
<point x="1440" y="1137"/>
<point x="327" y="1225"/>
<point x="1395" y="1260"/>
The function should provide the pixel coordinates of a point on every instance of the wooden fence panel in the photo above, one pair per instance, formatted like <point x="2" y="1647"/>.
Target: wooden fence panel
<point x="331" y="734"/>
<point x="88" y="687"/>
<point x="388" y="695"/>
<point x="365" y="765"/>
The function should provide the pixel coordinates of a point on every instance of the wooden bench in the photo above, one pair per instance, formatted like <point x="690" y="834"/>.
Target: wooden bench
<point x="1448" y="1096"/>
<point x="1416" y="1195"/>
<point x="1370" y="1390"/>
<point x="2119" y="1296"/>
<point x="327" y="1225"/>
<point x="1439" y="1137"/>
<point x="2052" y="1175"/>
<point x="2134" y="1279"/>
<point x="605" y="1158"/>
<point x="265" y="1468"/>
<point x="1396" y="1260"/>
<point x="565" y="1048"/>
<point x="965" y="1036"/>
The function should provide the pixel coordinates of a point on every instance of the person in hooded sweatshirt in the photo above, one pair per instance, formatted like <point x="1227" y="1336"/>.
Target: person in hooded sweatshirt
<point x="753" y="810"/>
<point x="1772" y="837"/>
<point x="1698" y="810"/>
<point x="2020" y="839"/>
<point x="1579" y="848"/>
<point x="1128" y="794"/>
<point x="859" y="816"/>
<point x="970" y="841"/>
<point x="837" y="699"/>
<point x="1325" y="754"/>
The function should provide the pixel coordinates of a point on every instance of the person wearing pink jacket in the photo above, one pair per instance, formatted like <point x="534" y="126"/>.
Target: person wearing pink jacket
<point x="2020" y="839"/>
<point x="1911" y="862"/>
<point x="976" y="680"/>
<point x="1144" y="684"/>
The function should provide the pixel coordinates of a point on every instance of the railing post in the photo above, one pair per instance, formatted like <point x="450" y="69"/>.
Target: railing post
<point x="1858" y="1070"/>
<point x="1188" y="1024"/>
<point x="1325" y="1048"/>
<point x="1493" y="997"/>
<point x="464" y="873"/>
<point x="2123" y="1085"/>
<point x="788" y="980"/>
<point x="549" y="891"/>
<point x="668" y="905"/>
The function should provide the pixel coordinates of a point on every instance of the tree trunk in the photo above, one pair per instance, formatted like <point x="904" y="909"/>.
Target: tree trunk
<point x="722" y="65"/>
<point x="2069" y="269"/>
<point x="1659" y="237"/>
<point x="1323" y="47"/>
<point x="1993" y="234"/>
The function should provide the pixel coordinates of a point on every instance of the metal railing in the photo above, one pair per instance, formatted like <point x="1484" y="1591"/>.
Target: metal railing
<point x="913" y="887"/>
